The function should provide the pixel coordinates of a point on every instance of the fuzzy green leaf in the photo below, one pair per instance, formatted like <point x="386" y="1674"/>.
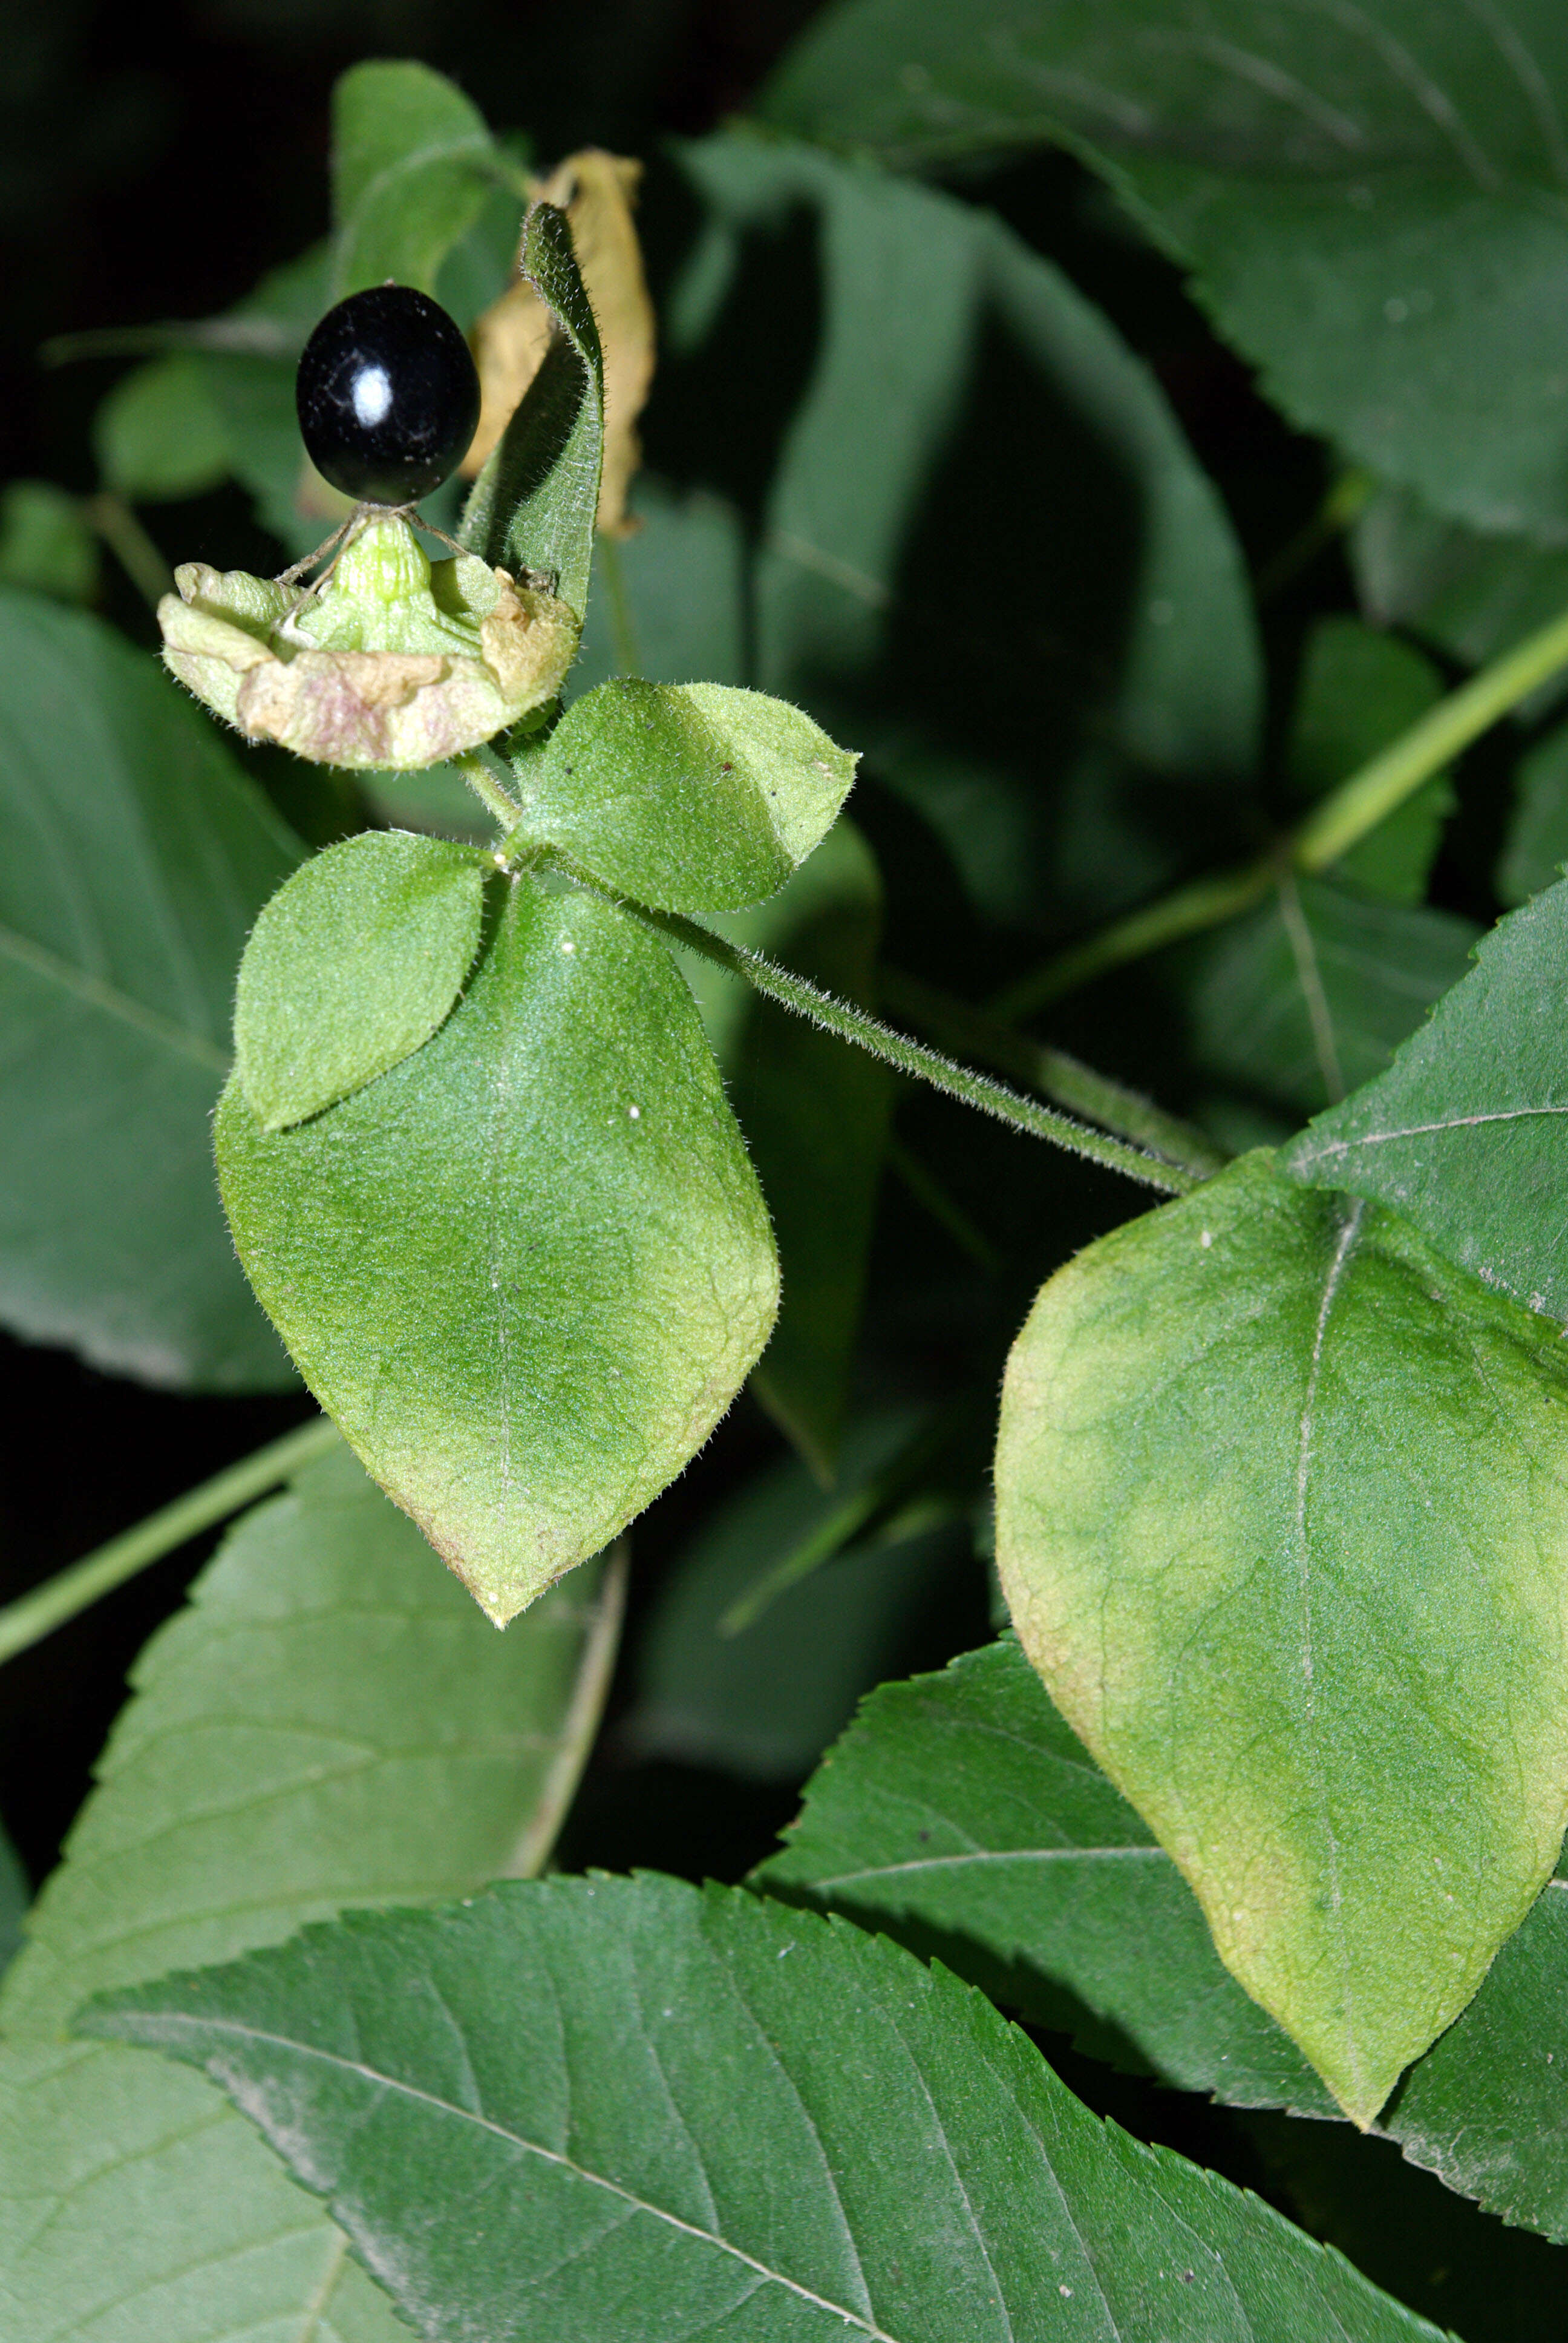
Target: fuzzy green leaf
<point x="615" y="2111"/>
<point x="134" y="856"/>
<point x="47" y="544"/>
<point x="1369" y="197"/>
<point x="412" y="162"/>
<point x="691" y="797"/>
<point x="350" y="968"/>
<point x="1464" y="1133"/>
<point x="1311" y="993"/>
<point x="328" y="1721"/>
<point x="1281" y="1504"/>
<point x="535" y="504"/>
<point x="962" y="1813"/>
<point x="528" y="1269"/>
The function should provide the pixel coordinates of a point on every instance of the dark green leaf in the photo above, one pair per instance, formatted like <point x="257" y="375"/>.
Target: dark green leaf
<point x="691" y="797"/>
<point x="46" y="545"/>
<point x="1311" y="993"/>
<point x="159" y="433"/>
<point x="533" y="505"/>
<point x="135" y="856"/>
<point x="1537" y="844"/>
<point x="962" y="1813"/>
<point x="329" y="1722"/>
<point x="1359" y="691"/>
<point x="615" y="2111"/>
<point x="1370" y="196"/>
<point x="528" y="1269"/>
<point x="412" y="163"/>
<point x="1474" y="596"/>
<point x="1463" y="1132"/>
<point x="816" y="1116"/>
<point x="1280" y="1502"/>
<point x="765" y="1702"/>
<point x="351" y="967"/>
<point x="672" y="598"/>
<point x="985" y="553"/>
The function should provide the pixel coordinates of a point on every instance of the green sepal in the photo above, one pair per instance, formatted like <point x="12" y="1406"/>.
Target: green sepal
<point x="352" y="965"/>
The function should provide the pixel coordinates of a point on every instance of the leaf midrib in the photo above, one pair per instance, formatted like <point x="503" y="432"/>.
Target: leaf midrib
<point x="172" y="2023"/>
<point x="111" y="1001"/>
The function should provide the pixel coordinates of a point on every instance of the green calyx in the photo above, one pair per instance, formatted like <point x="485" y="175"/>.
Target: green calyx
<point x="389" y="662"/>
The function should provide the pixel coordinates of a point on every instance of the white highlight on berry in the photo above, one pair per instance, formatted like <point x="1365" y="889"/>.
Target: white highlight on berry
<point x="372" y="396"/>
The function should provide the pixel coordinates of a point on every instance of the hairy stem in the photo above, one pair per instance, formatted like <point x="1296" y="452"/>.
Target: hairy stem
<point x="1339" y="822"/>
<point x="500" y="808"/>
<point x="35" y="1615"/>
<point x="1063" y="1078"/>
<point x="913" y="1057"/>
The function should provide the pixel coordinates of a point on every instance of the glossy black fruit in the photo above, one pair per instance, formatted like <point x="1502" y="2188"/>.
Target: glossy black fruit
<point x="387" y="396"/>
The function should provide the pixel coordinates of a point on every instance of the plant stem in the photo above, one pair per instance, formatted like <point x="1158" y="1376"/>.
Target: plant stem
<point x="577" y="1735"/>
<point x="500" y="808"/>
<point x="1343" y="818"/>
<point x="1065" y="1080"/>
<point x="1370" y="795"/>
<point x="1206" y="903"/>
<point x="896" y="1049"/>
<point x="128" y="541"/>
<point x="36" y="1615"/>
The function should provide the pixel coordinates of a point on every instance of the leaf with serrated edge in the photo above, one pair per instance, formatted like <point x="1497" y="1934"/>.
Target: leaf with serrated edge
<point x="1368" y="196"/>
<point x="616" y="2111"/>
<point x="962" y="1813"/>
<point x="1281" y="1508"/>
<point x="328" y="1721"/>
<point x="351" y="967"/>
<point x="1464" y="1133"/>
<point x="135" y="855"/>
<point x="528" y="1269"/>
<point x="692" y="797"/>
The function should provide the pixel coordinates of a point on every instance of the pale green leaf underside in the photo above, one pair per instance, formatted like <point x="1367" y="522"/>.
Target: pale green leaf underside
<point x="352" y="966"/>
<point x="528" y="1269"/>
<point x="133" y="856"/>
<point x="1371" y="195"/>
<point x="622" y="2111"/>
<point x="329" y="1722"/>
<point x="1282" y="1509"/>
<point x="692" y="797"/>
<point x="1464" y="1133"/>
<point x="962" y="1813"/>
<point x="411" y="161"/>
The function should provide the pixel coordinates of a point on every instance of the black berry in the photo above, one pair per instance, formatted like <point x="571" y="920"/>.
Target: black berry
<point x="387" y="396"/>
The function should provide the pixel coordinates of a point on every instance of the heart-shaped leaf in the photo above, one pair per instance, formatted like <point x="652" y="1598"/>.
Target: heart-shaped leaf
<point x="350" y="967"/>
<point x="528" y="1269"/>
<point x="1283" y="1518"/>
